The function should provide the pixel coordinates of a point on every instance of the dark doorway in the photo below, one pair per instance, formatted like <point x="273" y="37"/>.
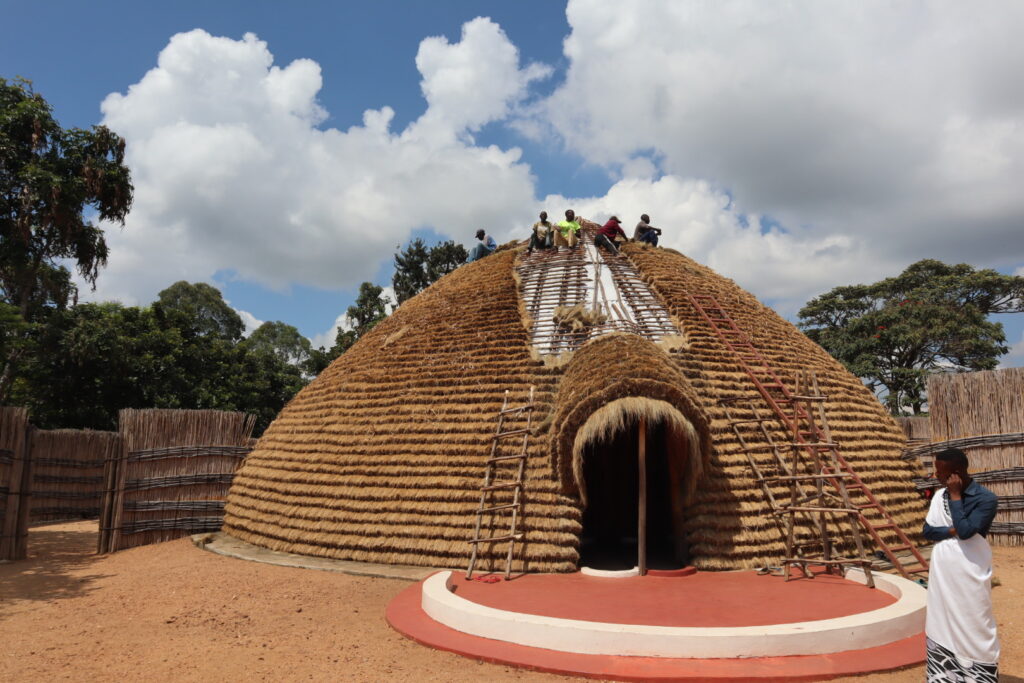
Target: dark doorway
<point x="609" y="539"/>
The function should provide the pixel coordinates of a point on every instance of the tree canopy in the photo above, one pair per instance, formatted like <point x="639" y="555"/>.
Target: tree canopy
<point x="205" y="307"/>
<point x="418" y="266"/>
<point x="931" y="317"/>
<point x="49" y="176"/>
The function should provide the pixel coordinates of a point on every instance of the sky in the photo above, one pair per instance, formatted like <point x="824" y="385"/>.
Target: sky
<point x="283" y="152"/>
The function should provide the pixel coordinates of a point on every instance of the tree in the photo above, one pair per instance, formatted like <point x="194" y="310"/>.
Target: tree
<point x="443" y="259"/>
<point x="48" y="177"/>
<point x="417" y="267"/>
<point x="282" y="340"/>
<point x="932" y="316"/>
<point x="369" y="309"/>
<point x="205" y="307"/>
<point x="410" y="276"/>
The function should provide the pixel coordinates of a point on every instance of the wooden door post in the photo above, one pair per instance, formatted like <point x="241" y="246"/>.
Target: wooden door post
<point x="641" y="531"/>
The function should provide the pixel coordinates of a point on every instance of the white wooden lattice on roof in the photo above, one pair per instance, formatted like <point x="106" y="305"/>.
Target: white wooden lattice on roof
<point x="596" y="280"/>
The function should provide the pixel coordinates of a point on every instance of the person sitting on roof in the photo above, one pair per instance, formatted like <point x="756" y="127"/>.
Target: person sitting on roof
<point x="606" y="235"/>
<point x="566" y="235"/>
<point x="487" y="246"/>
<point x="645" y="232"/>
<point x="542" y="235"/>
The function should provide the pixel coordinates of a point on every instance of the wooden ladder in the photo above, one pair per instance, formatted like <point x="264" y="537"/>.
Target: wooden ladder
<point x="494" y="467"/>
<point x="811" y="442"/>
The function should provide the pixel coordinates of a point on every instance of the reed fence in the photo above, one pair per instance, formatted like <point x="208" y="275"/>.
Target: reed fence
<point x="15" y="482"/>
<point x="171" y="474"/>
<point x="982" y="413"/>
<point x="67" y="473"/>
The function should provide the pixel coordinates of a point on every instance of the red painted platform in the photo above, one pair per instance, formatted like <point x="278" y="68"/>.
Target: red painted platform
<point x="703" y="599"/>
<point x="712" y="599"/>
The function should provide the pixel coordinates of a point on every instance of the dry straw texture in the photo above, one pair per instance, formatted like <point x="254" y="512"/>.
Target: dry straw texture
<point x="15" y="484"/>
<point x="979" y="404"/>
<point x="67" y="472"/>
<point x="381" y="457"/>
<point x="172" y="474"/>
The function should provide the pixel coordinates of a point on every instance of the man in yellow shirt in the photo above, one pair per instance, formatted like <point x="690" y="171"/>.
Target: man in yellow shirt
<point x="567" y="233"/>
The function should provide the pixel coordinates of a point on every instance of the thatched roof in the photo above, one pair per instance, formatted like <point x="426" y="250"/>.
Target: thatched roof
<point x="381" y="458"/>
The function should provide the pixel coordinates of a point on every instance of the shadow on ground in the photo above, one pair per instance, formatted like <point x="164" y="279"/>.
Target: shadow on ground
<point x="56" y="556"/>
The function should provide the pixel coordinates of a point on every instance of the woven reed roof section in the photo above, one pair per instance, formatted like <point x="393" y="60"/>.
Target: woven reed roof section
<point x="381" y="458"/>
<point x="727" y="525"/>
<point x="609" y="368"/>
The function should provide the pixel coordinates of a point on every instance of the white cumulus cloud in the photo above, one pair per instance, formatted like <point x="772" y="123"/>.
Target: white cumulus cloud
<point x="232" y="171"/>
<point x="874" y="132"/>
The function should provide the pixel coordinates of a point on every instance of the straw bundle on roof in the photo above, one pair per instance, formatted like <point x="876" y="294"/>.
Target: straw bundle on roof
<point x="986" y="410"/>
<point x="15" y="482"/>
<point x="67" y="472"/>
<point x="172" y="474"/>
<point x="381" y="457"/>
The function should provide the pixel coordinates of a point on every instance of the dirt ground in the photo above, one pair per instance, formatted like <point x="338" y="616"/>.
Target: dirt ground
<point x="174" y="612"/>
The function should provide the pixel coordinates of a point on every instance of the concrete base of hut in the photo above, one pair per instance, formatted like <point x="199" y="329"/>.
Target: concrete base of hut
<point x="705" y="626"/>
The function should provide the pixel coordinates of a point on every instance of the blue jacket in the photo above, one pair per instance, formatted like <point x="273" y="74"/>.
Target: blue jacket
<point x="972" y="514"/>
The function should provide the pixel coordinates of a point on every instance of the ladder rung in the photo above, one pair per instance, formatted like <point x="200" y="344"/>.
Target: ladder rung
<point x="797" y="397"/>
<point x="807" y="560"/>
<point x="511" y="433"/>
<point x="798" y="477"/>
<point x="506" y="457"/>
<point x="495" y="539"/>
<point x="741" y="422"/>
<point x="894" y="548"/>
<point x="495" y="487"/>
<point x="847" y="511"/>
<point x="495" y="508"/>
<point x="876" y="527"/>
<point x="516" y="410"/>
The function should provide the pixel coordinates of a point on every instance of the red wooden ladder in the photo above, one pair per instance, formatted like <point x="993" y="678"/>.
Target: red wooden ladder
<point x="809" y="437"/>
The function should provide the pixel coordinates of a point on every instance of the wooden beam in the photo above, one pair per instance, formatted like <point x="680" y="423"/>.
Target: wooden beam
<point x="641" y="531"/>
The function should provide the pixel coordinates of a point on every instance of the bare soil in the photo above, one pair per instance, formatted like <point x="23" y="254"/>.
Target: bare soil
<point x="174" y="612"/>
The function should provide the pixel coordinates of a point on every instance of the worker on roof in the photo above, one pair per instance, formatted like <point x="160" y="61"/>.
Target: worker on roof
<point x="487" y="246"/>
<point x="543" y="234"/>
<point x="606" y="235"/>
<point x="567" y="233"/>
<point x="645" y="232"/>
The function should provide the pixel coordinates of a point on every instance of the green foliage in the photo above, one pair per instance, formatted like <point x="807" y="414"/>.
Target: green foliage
<point x="417" y="266"/>
<point x="48" y="176"/>
<point x="932" y="316"/>
<point x="205" y="307"/>
<point x="282" y="340"/>
<point x="91" y="360"/>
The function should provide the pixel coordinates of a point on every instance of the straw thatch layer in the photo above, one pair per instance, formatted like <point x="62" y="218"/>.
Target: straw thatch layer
<point x="611" y="368"/>
<point x="381" y="457"/>
<point x="726" y="524"/>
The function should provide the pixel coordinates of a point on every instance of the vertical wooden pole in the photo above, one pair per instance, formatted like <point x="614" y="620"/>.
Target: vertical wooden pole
<point x="641" y="531"/>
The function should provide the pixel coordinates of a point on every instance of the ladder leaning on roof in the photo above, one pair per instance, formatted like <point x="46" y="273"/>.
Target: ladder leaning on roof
<point x="811" y="442"/>
<point x="494" y="466"/>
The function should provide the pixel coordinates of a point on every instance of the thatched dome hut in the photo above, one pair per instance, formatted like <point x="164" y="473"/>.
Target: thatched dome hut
<point x="381" y="458"/>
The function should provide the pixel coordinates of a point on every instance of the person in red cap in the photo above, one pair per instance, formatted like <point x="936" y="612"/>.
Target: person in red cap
<point x="606" y="235"/>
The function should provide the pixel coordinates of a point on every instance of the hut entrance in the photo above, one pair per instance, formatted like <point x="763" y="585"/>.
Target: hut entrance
<point x="634" y="497"/>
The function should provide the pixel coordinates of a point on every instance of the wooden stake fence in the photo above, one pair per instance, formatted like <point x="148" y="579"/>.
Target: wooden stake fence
<point x="67" y="472"/>
<point x="171" y="474"/>
<point x="15" y="482"/>
<point x="983" y="414"/>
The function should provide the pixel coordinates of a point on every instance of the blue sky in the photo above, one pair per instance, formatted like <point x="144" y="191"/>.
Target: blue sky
<point x="793" y="149"/>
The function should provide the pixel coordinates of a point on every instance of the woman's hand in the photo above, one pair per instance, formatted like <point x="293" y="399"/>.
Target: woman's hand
<point x="955" y="486"/>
